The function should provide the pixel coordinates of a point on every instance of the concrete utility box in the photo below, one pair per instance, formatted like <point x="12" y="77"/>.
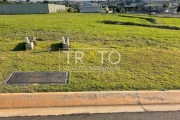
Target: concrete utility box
<point x="29" y="46"/>
<point x="29" y="43"/>
<point x="33" y="39"/>
<point x="65" y="43"/>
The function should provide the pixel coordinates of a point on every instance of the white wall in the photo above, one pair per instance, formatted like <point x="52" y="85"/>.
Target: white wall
<point x="56" y="8"/>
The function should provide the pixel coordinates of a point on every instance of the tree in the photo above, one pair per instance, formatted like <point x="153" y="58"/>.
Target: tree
<point x="137" y="8"/>
<point x="178" y="9"/>
<point x="166" y="5"/>
<point x="46" y="1"/>
<point x="78" y="9"/>
<point x="27" y="1"/>
<point x="120" y="10"/>
<point x="4" y="1"/>
<point x="69" y="10"/>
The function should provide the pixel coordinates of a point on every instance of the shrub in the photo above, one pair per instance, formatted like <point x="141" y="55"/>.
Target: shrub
<point x="69" y="10"/>
<point x="120" y="10"/>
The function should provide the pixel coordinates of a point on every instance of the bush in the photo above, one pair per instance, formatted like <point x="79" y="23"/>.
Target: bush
<point x="69" y="10"/>
<point x="78" y="9"/>
<point x="4" y="2"/>
<point x="120" y="10"/>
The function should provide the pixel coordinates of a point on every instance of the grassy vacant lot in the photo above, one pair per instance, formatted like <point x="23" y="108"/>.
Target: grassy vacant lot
<point x="149" y="48"/>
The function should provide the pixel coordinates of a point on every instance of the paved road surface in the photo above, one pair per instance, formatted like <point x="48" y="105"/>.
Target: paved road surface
<point x="169" y="15"/>
<point x="113" y="116"/>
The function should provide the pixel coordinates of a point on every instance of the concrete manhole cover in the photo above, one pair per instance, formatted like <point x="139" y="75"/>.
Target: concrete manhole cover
<point x="37" y="78"/>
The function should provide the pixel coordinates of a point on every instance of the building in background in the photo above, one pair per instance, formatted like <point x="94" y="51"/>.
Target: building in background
<point x="131" y="7"/>
<point x="90" y="7"/>
<point x="30" y="8"/>
<point x="151" y="1"/>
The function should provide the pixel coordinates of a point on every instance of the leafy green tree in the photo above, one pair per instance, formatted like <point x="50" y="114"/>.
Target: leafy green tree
<point x="4" y="1"/>
<point x="78" y="9"/>
<point x="178" y="10"/>
<point x="120" y="10"/>
<point x="69" y="10"/>
<point x="165" y="5"/>
<point x="45" y="1"/>
<point x="137" y="8"/>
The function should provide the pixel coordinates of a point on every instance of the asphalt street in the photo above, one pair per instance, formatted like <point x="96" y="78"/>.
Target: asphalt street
<point x="169" y="15"/>
<point x="110" y="116"/>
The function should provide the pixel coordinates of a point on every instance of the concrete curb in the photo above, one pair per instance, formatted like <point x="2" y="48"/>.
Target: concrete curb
<point x="102" y="98"/>
<point x="87" y="110"/>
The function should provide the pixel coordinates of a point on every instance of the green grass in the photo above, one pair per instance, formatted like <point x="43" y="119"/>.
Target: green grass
<point x="149" y="48"/>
